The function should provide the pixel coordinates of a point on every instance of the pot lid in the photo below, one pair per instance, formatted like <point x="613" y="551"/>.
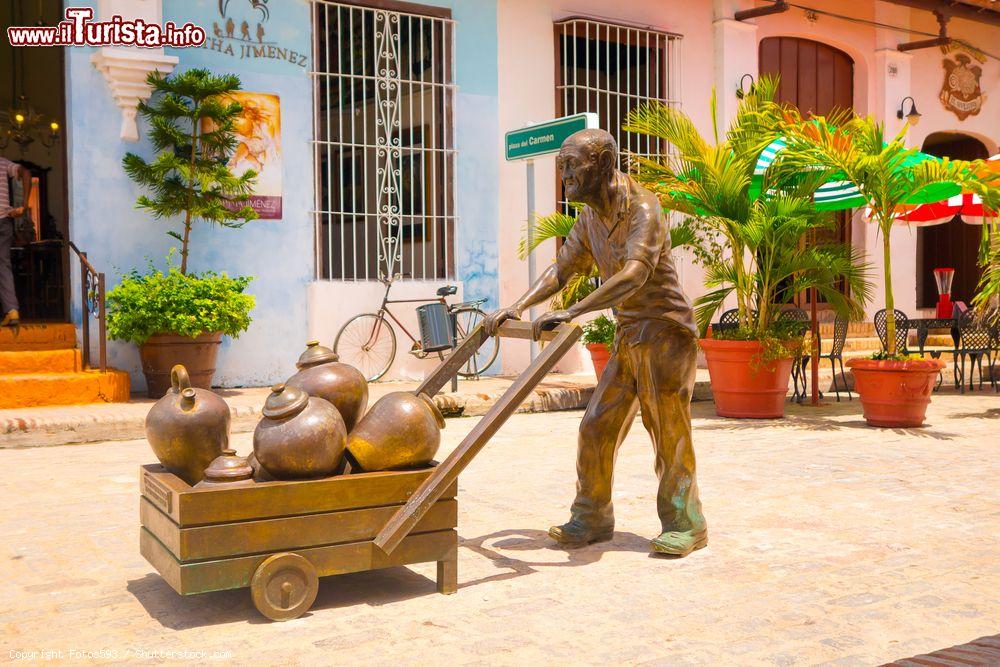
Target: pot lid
<point x="316" y="354"/>
<point x="285" y="402"/>
<point x="228" y="468"/>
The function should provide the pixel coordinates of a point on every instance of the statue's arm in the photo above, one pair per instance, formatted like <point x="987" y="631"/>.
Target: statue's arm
<point x="612" y="292"/>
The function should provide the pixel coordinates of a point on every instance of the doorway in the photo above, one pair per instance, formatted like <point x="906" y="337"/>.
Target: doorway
<point x="954" y="244"/>
<point x="816" y="78"/>
<point x="33" y="88"/>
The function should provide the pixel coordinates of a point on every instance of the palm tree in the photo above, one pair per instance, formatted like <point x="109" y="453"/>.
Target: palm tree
<point x="886" y="173"/>
<point x="774" y="251"/>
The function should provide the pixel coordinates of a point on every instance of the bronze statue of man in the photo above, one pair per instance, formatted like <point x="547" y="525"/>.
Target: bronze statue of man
<point x="622" y="230"/>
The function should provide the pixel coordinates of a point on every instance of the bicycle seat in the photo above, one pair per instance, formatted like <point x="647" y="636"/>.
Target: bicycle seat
<point x="447" y="290"/>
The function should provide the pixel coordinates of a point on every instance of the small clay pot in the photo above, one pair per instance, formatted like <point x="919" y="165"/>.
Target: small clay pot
<point x="322" y="375"/>
<point x="402" y="430"/>
<point x="300" y="436"/>
<point x="227" y="470"/>
<point x="187" y="428"/>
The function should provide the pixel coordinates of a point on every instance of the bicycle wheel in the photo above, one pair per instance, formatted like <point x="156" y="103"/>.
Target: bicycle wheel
<point x="467" y="319"/>
<point x="368" y="343"/>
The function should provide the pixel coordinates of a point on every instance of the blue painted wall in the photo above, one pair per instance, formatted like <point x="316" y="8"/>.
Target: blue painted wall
<point x="279" y="253"/>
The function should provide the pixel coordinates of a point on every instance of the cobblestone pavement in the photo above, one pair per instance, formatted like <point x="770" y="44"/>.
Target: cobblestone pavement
<point x="831" y="543"/>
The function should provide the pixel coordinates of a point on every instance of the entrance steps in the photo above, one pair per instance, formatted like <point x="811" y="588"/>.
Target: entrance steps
<point x="40" y="365"/>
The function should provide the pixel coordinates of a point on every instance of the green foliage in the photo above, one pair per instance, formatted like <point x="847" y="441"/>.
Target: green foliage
<point x="856" y="150"/>
<point x="770" y="245"/>
<point x="178" y="303"/>
<point x="193" y="131"/>
<point x="987" y="298"/>
<point x="601" y="329"/>
<point x="781" y="340"/>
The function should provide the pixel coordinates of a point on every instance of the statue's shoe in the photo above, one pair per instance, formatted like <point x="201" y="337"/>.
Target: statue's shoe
<point x="11" y="319"/>
<point x="680" y="543"/>
<point x="577" y="534"/>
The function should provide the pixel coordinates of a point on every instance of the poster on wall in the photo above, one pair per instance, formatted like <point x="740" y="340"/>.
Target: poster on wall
<point x="961" y="93"/>
<point x="258" y="147"/>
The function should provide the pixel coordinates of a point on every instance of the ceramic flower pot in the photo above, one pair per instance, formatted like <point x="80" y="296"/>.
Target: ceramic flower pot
<point x="742" y="387"/>
<point x="162" y="351"/>
<point x="895" y="394"/>
<point x="599" y="354"/>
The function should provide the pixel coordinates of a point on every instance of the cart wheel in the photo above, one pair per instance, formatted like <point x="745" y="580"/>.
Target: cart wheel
<point x="284" y="586"/>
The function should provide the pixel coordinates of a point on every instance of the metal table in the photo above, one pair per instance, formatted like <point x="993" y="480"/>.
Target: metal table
<point x="923" y="325"/>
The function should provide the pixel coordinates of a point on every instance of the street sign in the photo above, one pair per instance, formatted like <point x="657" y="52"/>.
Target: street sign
<point x="544" y="138"/>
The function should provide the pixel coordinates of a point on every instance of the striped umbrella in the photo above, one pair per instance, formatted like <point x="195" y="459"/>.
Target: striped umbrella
<point x="967" y="205"/>
<point x="838" y="194"/>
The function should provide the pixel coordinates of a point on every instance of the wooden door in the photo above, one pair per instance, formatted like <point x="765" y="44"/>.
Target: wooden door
<point x="817" y="79"/>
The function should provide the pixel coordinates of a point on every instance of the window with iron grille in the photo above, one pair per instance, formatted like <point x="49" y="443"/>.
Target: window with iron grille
<point x="384" y="142"/>
<point x="609" y="70"/>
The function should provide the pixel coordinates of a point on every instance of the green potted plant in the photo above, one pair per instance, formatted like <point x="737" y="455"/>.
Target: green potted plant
<point x="599" y="336"/>
<point x="894" y="387"/>
<point x="770" y="231"/>
<point x="177" y="316"/>
<point x="558" y="225"/>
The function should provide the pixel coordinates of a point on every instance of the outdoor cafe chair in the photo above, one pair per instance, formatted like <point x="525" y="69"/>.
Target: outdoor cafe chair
<point x="801" y="318"/>
<point x="976" y="340"/>
<point x="902" y="330"/>
<point x="836" y="355"/>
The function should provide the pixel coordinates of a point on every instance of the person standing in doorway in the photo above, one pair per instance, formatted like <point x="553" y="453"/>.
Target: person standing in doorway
<point x="8" y="298"/>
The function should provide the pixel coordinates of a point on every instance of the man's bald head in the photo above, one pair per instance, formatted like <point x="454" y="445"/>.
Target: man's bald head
<point x="586" y="162"/>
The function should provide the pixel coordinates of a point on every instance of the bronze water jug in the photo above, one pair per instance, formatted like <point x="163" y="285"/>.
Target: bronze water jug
<point x="187" y="428"/>
<point x="402" y="430"/>
<point x="227" y="470"/>
<point x="300" y="436"/>
<point x="322" y="375"/>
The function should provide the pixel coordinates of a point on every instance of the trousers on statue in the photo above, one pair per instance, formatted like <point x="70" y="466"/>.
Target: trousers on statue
<point x="8" y="298"/>
<point x="652" y="367"/>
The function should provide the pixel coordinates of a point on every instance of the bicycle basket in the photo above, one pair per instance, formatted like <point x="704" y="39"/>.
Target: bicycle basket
<point x="436" y="329"/>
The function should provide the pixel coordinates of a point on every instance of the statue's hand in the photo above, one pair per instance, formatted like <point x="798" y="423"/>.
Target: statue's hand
<point x="548" y="321"/>
<point x="493" y="321"/>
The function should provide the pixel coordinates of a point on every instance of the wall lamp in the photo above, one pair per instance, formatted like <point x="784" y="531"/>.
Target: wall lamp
<point x="914" y="116"/>
<point x="742" y="92"/>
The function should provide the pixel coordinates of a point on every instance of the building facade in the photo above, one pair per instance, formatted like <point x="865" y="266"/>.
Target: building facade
<point x="392" y="117"/>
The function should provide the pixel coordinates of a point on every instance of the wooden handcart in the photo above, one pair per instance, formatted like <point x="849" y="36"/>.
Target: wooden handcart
<point x="278" y="538"/>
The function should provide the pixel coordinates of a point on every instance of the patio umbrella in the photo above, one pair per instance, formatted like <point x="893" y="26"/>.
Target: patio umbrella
<point x="966" y="205"/>
<point x="838" y="194"/>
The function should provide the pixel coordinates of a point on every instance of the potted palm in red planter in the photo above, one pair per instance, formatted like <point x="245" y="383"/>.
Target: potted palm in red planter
<point x="769" y="229"/>
<point x="895" y="388"/>
<point x="599" y="337"/>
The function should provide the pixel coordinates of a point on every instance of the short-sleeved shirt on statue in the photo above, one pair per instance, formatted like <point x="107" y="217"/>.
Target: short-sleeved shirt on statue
<point x="638" y="231"/>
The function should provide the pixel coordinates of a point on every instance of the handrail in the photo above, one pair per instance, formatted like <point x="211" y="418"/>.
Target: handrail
<point x="92" y="301"/>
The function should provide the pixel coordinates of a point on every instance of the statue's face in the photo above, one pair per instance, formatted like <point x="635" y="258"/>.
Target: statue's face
<point x="581" y="170"/>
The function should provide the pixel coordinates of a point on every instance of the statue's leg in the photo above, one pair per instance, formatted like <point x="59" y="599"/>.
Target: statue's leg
<point x="665" y="361"/>
<point x="604" y="425"/>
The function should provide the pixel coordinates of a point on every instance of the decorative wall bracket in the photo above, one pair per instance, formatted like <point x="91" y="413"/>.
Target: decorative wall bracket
<point x="126" y="70"/>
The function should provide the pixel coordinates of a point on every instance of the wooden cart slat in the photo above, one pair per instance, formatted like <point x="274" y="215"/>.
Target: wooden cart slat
<point x="230" y="573"/>
<point x="188" y="506"/>
<point x="226" y="540"/>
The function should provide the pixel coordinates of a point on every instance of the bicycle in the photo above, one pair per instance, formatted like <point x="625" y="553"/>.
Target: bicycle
<point x="368" y="341"/>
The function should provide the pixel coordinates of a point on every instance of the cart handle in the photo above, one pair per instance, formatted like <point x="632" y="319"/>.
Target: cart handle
<point x="448" y="368"/>
<point x="563" y="337"/>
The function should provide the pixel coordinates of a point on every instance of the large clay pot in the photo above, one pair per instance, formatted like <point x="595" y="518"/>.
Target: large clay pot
<point x="741" y="387"/>
<point x="895" y="394"/>
<point x="187" y="428"/>
<point x="402" y="430"/>
<point x="599" y="354"/>
<point x="321" y="375"/>
<point x="162" y="351"/>
<point x="300" y="436"/>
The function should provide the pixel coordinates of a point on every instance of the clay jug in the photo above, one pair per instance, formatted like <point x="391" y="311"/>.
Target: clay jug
<point x="402" y="430"/>
<point x="300" y="436"/>
<point x="187" y="428"/>
<point x="227" y="470"/>
<point x="322" y="375"/>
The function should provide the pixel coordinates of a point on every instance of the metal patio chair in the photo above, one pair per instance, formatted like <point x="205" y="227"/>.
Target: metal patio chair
<point x="836" y="355"/>
<point x="976" y="339"/>
<point x="801" y="318"/>
<point x="902" y="330"/>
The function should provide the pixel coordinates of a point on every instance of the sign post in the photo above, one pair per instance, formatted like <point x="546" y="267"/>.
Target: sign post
<point x="529" y="142"/>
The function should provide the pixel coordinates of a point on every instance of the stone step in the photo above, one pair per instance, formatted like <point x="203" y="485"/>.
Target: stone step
<point x="33" y="337"/>
<point x="40" y="361"/>
<point x="37" y="389"/>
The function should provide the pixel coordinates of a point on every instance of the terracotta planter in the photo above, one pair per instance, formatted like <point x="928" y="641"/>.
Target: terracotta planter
<point x="599" y="354"/>
<point x="162" y="351"/>
<point x="741" y="388"/>
<point x="895" y="394"/>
